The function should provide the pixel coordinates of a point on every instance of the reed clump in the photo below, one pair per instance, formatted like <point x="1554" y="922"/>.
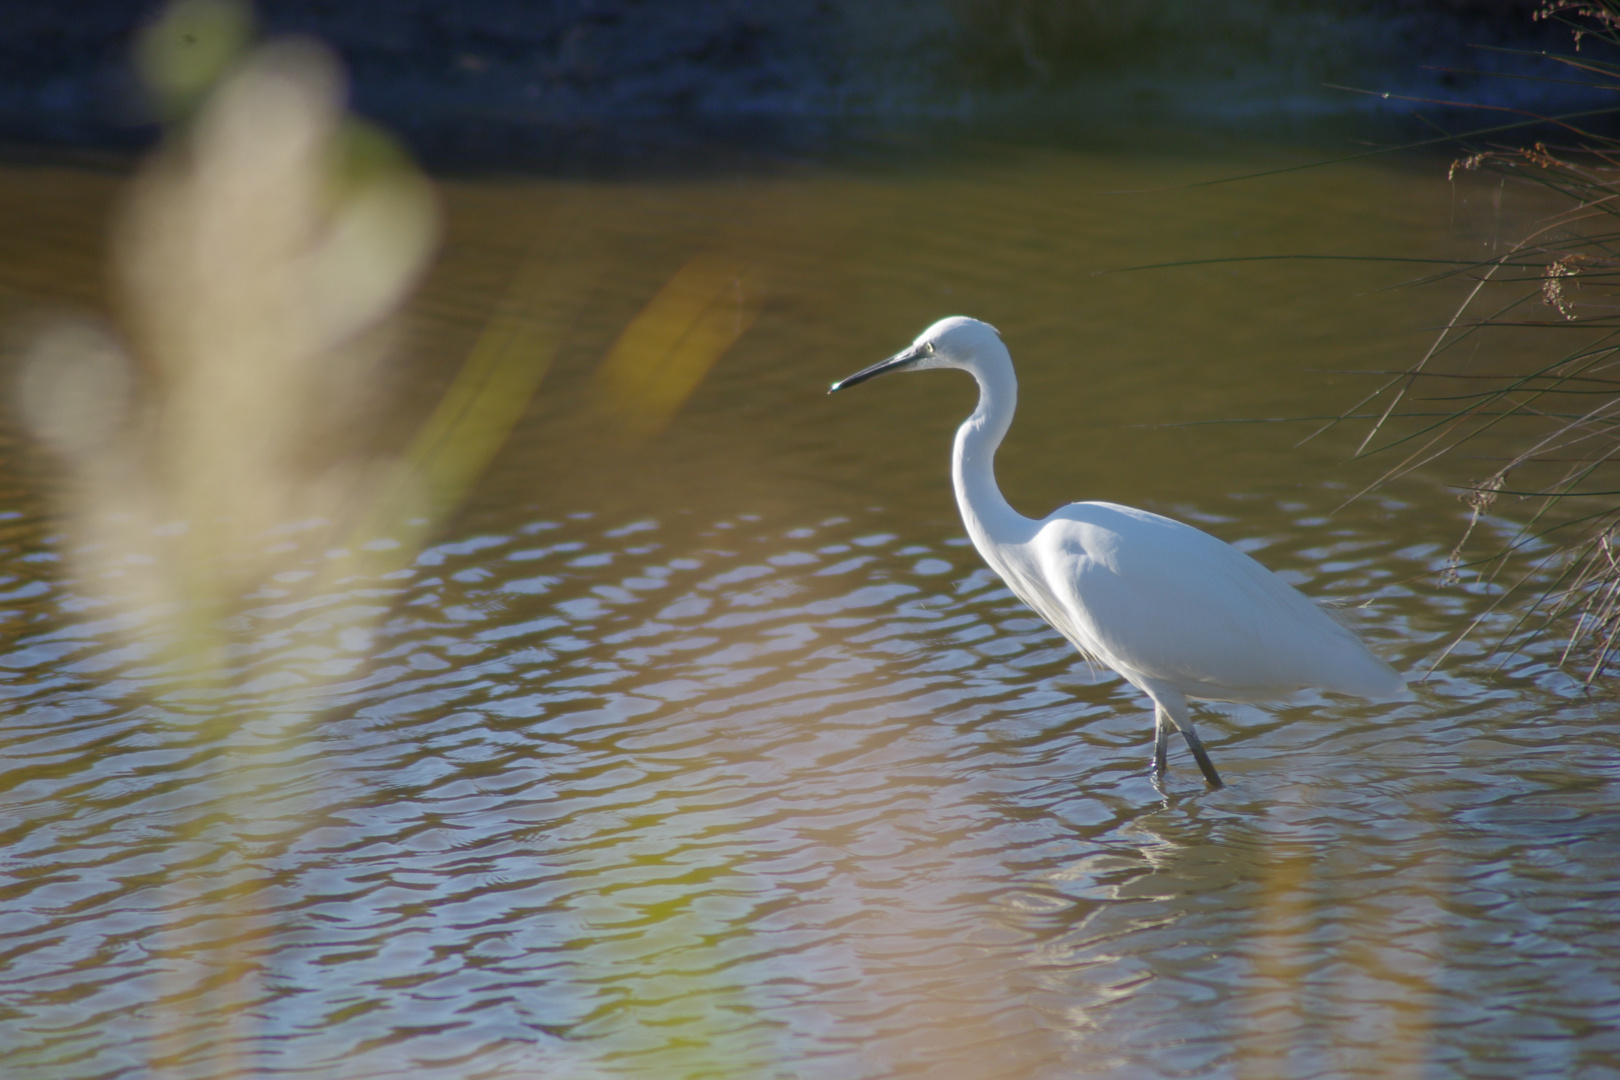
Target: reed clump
<point x="1550" y="429"/>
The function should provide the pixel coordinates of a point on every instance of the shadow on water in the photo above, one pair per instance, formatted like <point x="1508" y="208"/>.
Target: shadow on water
<point x="706" y="747"/>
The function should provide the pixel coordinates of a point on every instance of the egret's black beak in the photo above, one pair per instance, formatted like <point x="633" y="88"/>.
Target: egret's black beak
<point x="894" y="363"/>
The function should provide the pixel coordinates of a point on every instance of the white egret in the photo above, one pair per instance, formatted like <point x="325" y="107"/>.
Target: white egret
<point x="1176" y="612"/>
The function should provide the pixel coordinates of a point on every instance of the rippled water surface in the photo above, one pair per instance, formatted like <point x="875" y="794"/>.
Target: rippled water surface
<point x="719" y="753"/>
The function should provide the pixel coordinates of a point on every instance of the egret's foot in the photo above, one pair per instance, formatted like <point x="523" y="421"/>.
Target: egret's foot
<point x="1207" y="767"/>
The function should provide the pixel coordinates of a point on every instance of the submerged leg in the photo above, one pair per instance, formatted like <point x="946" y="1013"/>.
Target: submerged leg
<point x="1161" y="738"/>
<point x="1205" y="766"/>
<point x="1172" y="713"/>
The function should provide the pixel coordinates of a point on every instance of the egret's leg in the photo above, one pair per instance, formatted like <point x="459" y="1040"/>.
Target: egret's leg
<point x="1174" y="709"/>
<point x="1161" y="738"/>
<point x="1207" y="767"/>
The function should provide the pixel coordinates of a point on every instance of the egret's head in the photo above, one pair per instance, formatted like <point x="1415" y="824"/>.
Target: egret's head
<point x="957" y="341"/>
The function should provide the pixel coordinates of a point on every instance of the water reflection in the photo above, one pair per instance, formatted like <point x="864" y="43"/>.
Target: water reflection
<point x="727" y="757"/>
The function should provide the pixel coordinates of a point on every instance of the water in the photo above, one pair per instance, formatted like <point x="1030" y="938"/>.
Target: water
<point x="724" y="756"/>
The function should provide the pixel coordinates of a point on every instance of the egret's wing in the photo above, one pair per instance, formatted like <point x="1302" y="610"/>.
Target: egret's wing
<point x="1161" y="599"/>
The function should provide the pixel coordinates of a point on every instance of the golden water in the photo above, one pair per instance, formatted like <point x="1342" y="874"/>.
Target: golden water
<point x="703" y="746"/>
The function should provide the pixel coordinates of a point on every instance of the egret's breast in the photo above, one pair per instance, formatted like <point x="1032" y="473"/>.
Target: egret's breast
<point x="1020" y="568"/>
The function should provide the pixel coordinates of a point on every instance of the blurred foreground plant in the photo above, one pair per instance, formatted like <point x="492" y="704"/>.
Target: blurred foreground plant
<point x="257" y="262"/>
<point x="219" y="468"/>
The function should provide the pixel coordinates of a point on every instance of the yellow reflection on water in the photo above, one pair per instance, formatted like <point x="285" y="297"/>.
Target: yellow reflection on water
<point x="667" y="349"/>
<point x="1345" y="969"/>
<point x="495" y="384"/>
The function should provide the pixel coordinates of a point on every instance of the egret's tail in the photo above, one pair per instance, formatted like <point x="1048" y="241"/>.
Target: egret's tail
<point x="1369" y="677"/>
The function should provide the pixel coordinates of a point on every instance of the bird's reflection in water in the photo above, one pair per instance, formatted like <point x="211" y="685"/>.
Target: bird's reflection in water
<point x="1285" y="937"/>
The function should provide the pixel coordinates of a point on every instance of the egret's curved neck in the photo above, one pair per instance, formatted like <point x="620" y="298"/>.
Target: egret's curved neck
<point x="985" y="512"/>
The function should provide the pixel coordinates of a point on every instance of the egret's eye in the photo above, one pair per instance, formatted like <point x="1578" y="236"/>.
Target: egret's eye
<point x="928" y="348"/>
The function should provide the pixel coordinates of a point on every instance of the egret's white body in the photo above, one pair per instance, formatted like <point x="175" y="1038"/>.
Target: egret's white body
<point x="1176" y="612"/>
